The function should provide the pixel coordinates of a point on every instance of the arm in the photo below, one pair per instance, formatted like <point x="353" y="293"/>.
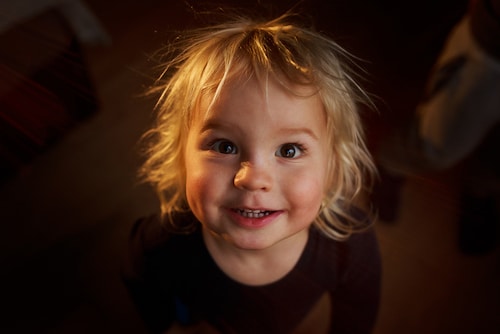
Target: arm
<point x="141" y="274"/>
<point x="356" y="302"/>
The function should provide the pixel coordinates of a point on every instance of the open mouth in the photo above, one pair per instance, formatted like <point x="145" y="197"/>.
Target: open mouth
<point x="253" y="213"/>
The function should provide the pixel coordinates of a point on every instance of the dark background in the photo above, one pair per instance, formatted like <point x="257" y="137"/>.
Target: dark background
<point x="68" y="191"/>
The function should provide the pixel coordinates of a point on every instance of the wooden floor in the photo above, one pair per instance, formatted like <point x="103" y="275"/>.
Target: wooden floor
<point x="65" y="218"/>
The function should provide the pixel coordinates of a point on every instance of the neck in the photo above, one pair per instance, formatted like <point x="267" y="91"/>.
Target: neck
<point x="257" y="267"/>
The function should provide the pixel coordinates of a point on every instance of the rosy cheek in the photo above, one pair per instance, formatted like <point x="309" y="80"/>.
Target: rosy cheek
<point x="195" y="183"/>
<point x="308" y="193"/>
<point x="204" y="180"/>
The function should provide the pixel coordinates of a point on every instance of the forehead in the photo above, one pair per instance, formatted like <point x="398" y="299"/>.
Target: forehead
<point x="258" y="103"/>
<point x="266" y="94"/>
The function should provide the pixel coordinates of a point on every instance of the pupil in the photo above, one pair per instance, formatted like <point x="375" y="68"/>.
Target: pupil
<point x="226" y="147"/>
<point x="288" y="151"/>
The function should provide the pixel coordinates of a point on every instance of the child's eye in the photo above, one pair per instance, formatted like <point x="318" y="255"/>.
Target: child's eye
<point x="289" y="151"/>
<point x="224" y="147"/>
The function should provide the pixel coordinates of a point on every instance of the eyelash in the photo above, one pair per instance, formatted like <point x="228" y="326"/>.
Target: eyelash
<point x="215" y="146"/>
<point x="298" y="149"/>
<point x="232" y="149"/>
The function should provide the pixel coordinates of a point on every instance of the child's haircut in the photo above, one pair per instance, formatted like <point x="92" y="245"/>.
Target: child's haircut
<point x="207" y="59"/>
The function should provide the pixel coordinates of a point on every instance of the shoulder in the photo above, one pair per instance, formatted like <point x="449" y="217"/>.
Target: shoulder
<point x="153" y="231"/>
<point x="362" y="238"/>
<point x="362" y="242"/>
<point x="152" y="238"/>
<point x="340" y="258"/>
<point x="361" y="260"/>
<point x="358" y="242"/>
<point x="364" y="246"/>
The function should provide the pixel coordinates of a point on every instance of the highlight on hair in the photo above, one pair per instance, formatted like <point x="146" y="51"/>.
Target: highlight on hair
<point x="205" y="60"/>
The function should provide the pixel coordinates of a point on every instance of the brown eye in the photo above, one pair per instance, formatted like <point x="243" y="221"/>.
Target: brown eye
<point x="224" y="147"/>
<point x="289" y="151"/>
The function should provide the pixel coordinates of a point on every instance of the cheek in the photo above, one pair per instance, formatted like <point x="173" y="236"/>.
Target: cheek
<point x="307" y="194"/>
<point x="205" y="183"/>
<point x="197" y="192"/>
<point x="197" y="182"/>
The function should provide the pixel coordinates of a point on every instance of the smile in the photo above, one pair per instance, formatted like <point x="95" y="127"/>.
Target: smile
<point x="253" y="213"/>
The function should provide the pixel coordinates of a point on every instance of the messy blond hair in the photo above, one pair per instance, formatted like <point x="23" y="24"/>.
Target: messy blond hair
<point x="208" y="58"/>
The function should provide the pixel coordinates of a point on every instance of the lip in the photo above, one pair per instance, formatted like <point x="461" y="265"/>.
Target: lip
<point x="255" y="222"/>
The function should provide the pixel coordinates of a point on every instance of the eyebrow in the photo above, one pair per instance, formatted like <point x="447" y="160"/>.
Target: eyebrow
<point x="212" y="124"/>
<point x="300" y="130"/>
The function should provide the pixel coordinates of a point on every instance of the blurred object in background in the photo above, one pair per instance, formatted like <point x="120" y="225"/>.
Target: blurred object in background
<point x="456" y="125"/>
<point x="45" y="88"/>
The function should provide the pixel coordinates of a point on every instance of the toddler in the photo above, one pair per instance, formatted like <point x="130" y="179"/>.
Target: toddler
<point x="258" y="158"/>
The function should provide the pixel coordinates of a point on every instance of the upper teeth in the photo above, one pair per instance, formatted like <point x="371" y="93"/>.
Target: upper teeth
<point x="253" y="213"/>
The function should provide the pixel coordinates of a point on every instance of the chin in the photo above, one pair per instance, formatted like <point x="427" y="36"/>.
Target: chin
<point x="253" y="244"/>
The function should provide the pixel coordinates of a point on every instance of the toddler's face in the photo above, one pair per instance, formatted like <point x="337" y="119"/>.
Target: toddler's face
<point x="256" y="165"/>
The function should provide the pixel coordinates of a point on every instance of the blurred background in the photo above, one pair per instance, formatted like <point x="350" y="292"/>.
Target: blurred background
<point x="72" y="75"/>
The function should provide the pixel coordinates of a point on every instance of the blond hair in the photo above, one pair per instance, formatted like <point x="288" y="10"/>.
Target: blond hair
<point x="208" y="58"/>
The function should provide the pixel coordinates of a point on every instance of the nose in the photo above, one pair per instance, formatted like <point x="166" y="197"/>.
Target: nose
<point x="253" y="177"/>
